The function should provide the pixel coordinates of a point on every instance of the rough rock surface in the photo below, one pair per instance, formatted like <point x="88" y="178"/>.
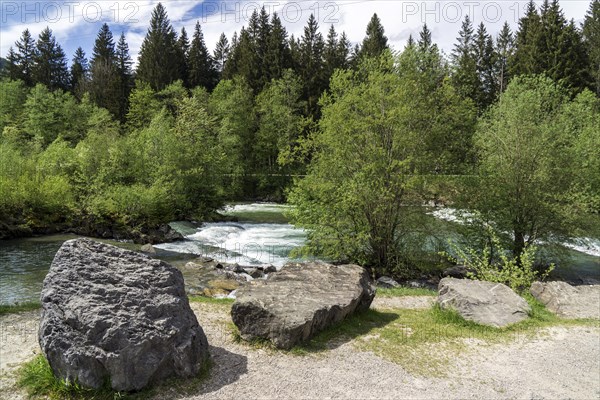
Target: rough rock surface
<point x="299" y="301"/>
<point x="386" y="282"/>
<point x="568" y="301"/>
<point x="113" y="314"/>
<point x="485" y="303"/>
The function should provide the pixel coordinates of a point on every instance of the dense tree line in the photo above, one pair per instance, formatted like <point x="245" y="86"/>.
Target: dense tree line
<point x="507" y="126"/>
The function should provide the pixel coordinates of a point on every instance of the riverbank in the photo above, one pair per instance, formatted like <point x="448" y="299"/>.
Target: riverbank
<point x="555" y="362"/>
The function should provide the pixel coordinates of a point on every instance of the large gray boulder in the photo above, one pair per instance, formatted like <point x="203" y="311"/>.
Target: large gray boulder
<point x="568" y="301"/>
<point x="114" y="315"/>
<point x="300" y="300"/>
<point x="485" y="303"/>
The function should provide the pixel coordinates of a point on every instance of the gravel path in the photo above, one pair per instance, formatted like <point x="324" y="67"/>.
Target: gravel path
<point x="559" y="362"/>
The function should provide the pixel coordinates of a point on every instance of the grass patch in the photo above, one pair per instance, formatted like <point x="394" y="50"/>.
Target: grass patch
<point x="405" y="291"/>
<point x="406" y="336"/>
<point x="20" y="307"/>
<point x="37" y="378"/>
<point x="211" y="300"/>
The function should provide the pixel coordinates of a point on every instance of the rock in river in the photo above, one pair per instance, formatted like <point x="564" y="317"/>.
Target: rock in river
<point x="485" y="303"/>
<point x="299" y="301"/>
<point x="114" y="315"/>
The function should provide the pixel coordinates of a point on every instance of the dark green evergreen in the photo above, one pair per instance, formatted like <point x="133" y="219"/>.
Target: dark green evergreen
<point x="591" y="36"/>
<point x="105" y="81"/>
<point x="125" y="72"/>
<point x="278" y="56"/>
<point x="201" y="64"/>
<point x="311" y="66"/>
<point x="375" y="42"/>
<point x="504" y="52"/>
<point x="50" y="63"/>
<point x="464" y="62"/>
<point x="25" y="57"/>
<point x="183" y="53"/>
<point x="158" y="63"/>
<point x="221" y="53"/>
<point x="486" y="65"/>
<point x="80" y="70"/>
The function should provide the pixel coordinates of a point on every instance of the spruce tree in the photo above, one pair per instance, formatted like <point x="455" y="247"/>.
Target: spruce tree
<point x="183" y="52"/>
<point x="11" y="70"/>
<point x="105" y="80"/>
<point x="410" y="43"/>
<point x="201" y="64"/>
<point x="230" y="67"/>
<point x="247" y="61"/>
<point x="375" y="42"/>
<point x="504" y="52"/>
<point x="278" y="57"/>
<point x="464" y="61"/>
<point x="159" y="64"/>
<point x="331" y="53"/>
<point x="80" y="69"/>
<point x="525" y="60"/>
<point x="486" y="63"/>
<point x="343" y="51"/>
<point x="425" y="41"/>
<point x="262" y="48"/>
<point x="591" y="36"/>
<point x="125" y="73"/>
<point x="50" y="63"/>
<point x="221" y="53"/>
<point x="26" y="52"/>
<point x="311" y="68"/>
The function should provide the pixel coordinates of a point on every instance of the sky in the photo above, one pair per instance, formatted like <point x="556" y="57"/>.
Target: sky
<point x="76" y="23"/>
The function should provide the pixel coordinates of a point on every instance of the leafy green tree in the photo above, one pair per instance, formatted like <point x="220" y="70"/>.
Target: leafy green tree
<point x="12" y="98"/>
<point x="158" y="63"/>
<point x="50" y="64"/>
<point x="375" y="42"/>
<point x="143" y="106"/>
<point x="201" y="64"/>
<point x="524" y="169"/>
<point x="367" y="165"/>
<point x="591" y="34"/>
<point x="232" y="104"/>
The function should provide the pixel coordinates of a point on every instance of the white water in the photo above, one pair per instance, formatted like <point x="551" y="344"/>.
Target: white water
<point x="245" y="243"/>
<point x="589" y="246"/>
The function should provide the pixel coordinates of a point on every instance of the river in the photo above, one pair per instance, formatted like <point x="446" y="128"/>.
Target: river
<point x="261" y="236"/>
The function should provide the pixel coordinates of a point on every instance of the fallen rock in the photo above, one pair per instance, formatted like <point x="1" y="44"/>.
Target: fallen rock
<point x="568" y="301"/>
<point x="485" y="303"/>
<point x="386" y="282"/>
<point x="148" y="248"/>
<point x="115" y="315"/>
<point x="299" y="301"/>
<point x="456" y="271"/>
<point x="255" y="273"/>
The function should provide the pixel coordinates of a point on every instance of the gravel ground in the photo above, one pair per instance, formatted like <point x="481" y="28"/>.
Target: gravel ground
<point x="558" y="363"/>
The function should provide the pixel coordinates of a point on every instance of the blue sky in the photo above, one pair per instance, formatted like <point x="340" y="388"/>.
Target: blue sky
<point x="76" y="23"/>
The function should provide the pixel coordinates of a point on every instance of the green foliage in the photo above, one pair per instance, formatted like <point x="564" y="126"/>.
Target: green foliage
<point x="12" y="98"/>
<point x="494" y="265"/>
<point x="526" y="164"/>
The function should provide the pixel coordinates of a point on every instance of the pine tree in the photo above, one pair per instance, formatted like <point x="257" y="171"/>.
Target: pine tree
<point x="125" y="73"/>
<point x="486" y="62"/>
<point x="25" y="57"/>
<point x="375" y="42"/>
<point x="464" y="61"/>
<point x="105" y="80"/>
<point x="591" y="36"/>
<point x="230" y="67"/>
<point x="221" y="53"/>
<point x="201" y="64"/>
<point x="183" y="52"/>
<point x="79" y="73"/>
<point x="343" y="51"/>
<point x="410" y="43"/>
<point x="311" y="64"/>
<point x="504" y="53"/>
<point x="247" y="61"/>
<point x="332" y="61"/>
<point x="262" y="40"/>
<point x="50" y="63"/>
<point x="159" y="64"/>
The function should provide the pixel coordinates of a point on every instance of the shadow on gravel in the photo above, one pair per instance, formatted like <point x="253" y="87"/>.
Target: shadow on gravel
<point x="359" y="324"/>
<point x="227" y="367"/>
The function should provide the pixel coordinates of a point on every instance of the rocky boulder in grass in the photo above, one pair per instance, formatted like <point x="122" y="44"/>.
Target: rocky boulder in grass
<point x="112" y="315"/>
<point x="299" y="301"/>
<point x="485" y="303"/>
<point x="568" y="301"/>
